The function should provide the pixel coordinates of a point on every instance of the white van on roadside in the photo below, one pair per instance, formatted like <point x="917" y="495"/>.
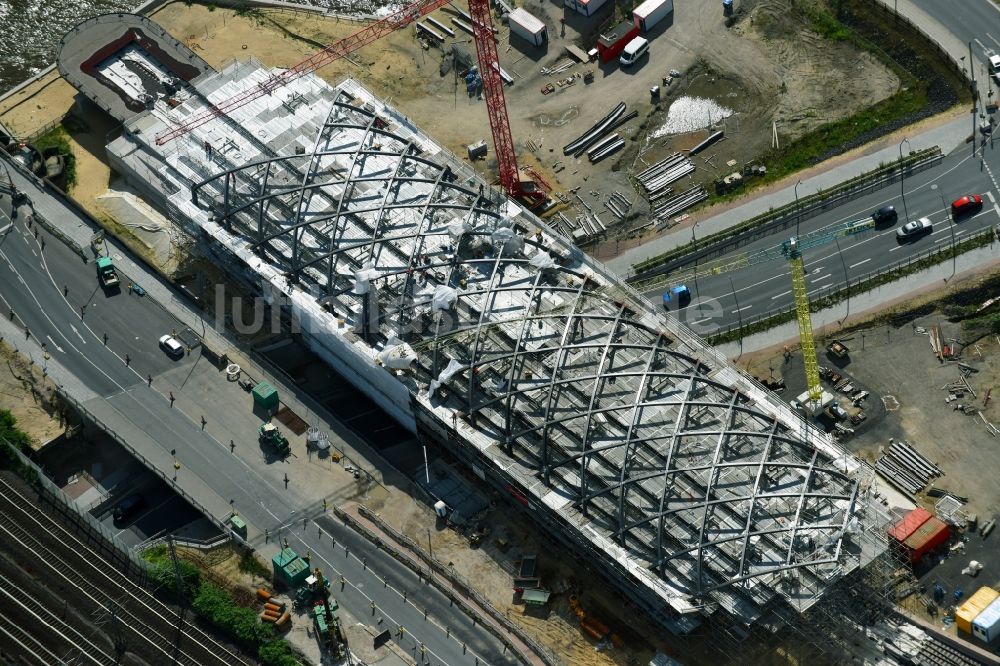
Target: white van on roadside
<point x="633" y="51"/>
<point x="994" y="64"/>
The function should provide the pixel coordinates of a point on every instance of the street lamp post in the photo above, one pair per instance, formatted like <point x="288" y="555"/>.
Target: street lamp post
<point x="902" y="174"/>
<point x="944" y="206"/>
<point x="798" y="215"/>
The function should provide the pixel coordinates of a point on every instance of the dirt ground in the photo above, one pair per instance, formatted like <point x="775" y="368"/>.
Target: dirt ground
<point x="768" y="67"/>
<point x="896" y="362"/>
<point x="29" y="396"/>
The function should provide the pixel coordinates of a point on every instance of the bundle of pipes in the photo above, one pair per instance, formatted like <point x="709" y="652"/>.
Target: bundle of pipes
<point x="897" y="477"/>
<point x="908" y="466"/>
<point x="618" y="204"/>
<point x="440" y="26"/>
<point x="684" y="200"/>
<point x="595" y="132"/>
<point x="605" y="147"/>
<point x="665" y="172"/>
<point x="429" y="31"/>
<point x="558" y="68"/>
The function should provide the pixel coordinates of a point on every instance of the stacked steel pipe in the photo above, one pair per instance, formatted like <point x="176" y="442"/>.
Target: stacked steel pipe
<point x="906" y="468"/>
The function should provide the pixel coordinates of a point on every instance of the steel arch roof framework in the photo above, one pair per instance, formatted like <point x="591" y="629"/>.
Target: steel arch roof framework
<point x="624" y="425"/>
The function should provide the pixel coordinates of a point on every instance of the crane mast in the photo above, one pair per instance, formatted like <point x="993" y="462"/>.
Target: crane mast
<point x="496" y="104"/>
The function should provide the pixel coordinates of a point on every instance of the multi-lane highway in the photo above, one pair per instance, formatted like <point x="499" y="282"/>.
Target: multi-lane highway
<point x="43" y="285"/>
<point x="722" y="300"/>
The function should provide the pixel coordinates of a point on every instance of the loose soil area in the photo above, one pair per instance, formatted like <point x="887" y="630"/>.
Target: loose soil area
<point x="29" y="396"/>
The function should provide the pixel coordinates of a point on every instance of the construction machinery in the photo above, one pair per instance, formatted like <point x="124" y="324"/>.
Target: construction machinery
<point x="525" y="185"/>
<point x="324" y="614"/>
<point x="814" y="400"/>
<point x="269" y="434"/>
<point x="106" y="273"/>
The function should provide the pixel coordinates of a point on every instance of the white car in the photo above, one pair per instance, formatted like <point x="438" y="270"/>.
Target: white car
<point x="172" y="346"/>
<point x="914" y="228"/>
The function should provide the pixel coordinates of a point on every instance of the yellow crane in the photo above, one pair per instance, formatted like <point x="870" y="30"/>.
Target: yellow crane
<point x="791" y="250"/>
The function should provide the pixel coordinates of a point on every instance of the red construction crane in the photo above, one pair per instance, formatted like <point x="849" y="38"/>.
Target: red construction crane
<point x="370" y="33"/>
<point x="496" y="107"/>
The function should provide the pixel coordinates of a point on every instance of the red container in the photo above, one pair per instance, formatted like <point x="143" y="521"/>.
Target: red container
<point x="933" y="533"/>
<point x="613" y="42"/>
<point x="908" y="524"/>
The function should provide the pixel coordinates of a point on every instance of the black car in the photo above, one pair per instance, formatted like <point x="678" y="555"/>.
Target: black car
<point x="885" y="215"/>
<point x="127" y="507"/>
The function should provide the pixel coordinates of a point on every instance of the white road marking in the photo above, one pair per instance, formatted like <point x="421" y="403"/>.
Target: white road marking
<point x="989" y="195"/>
<point x="78" y="334"/>
<point x="993" y="38"/>
<point x="987" y="50"/>
<point x="784" y="293"/>
<point x="821" y="278"/>
<point x="702" y="321"/>
<point x="4" y="230"/>
<point x="745" y="307"/>
<point x="898" y="247"/>
<point x="58" y="348"/>
<point x="860" y="262"/>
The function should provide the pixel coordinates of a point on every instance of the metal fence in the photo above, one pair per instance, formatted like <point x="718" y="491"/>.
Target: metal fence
<point x="839" y="291"/>
<point x="86" y="528"/>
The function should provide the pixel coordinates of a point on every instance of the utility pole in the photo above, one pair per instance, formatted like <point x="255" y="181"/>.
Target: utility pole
<point x="975" y="99"/>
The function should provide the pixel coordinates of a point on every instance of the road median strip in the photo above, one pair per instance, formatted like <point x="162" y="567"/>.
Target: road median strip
<point x="863" y="285"/>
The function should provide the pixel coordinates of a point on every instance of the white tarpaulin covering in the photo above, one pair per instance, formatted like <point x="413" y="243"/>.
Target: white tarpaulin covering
<point x="363" y="278"/>
<point x="397" y="355"/>
<point x="542" y="260"/>
<point x="444" y="297"/>
<point x="457" y="228"/>
<point x="511" y="244"/>
<point x="454" y="367"/>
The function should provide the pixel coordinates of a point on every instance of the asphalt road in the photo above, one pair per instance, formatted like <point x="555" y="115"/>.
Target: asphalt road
<point x="975" y="21"/>
<point x="46" y="288"/>
<point x="723" y="300"/>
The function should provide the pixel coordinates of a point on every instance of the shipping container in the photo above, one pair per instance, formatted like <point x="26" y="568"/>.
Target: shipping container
<point x="926" y="538"/>
<point x="527" y="27"/>
<point x="986" y="626"/>
<point x="973" y="606"/>
<point x="651" y="12"/>
<point x="585" y="7"/>
<point x="613" y="42"/>
<point x="908" y="524"/>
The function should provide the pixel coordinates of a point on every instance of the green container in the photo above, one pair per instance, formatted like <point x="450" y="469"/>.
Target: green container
<point x="296" y="572"/>
<point x="265" y="396"/>
<point x="283" y="561"/>
<point x="238" y="525"/>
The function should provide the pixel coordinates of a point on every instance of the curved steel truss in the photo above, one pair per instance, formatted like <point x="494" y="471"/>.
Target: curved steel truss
<point x="627" y="426"/>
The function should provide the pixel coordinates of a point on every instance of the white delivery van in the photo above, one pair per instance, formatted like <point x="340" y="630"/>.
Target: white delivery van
<point x="994" y="64"/>
<point x="633" y="51"/>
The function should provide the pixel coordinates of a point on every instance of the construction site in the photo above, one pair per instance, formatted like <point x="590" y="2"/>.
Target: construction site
<point x="435" y="266"/>
<point x="685" y="485"/>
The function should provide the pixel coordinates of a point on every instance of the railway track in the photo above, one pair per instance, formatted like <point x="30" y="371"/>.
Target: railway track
<point x="150" y="625"/>
<point x="73" y="645"/>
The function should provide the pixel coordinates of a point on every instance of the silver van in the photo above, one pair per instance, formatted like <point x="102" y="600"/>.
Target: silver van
<point x="633" y="51"/>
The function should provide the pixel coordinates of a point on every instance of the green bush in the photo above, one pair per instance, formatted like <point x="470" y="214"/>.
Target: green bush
<point x="277" y="653"/>
<point x="9" y="432"/>
<point x="58" y="137"/>
<point x="249" y="564"/>
<point x="215" y="605"/>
